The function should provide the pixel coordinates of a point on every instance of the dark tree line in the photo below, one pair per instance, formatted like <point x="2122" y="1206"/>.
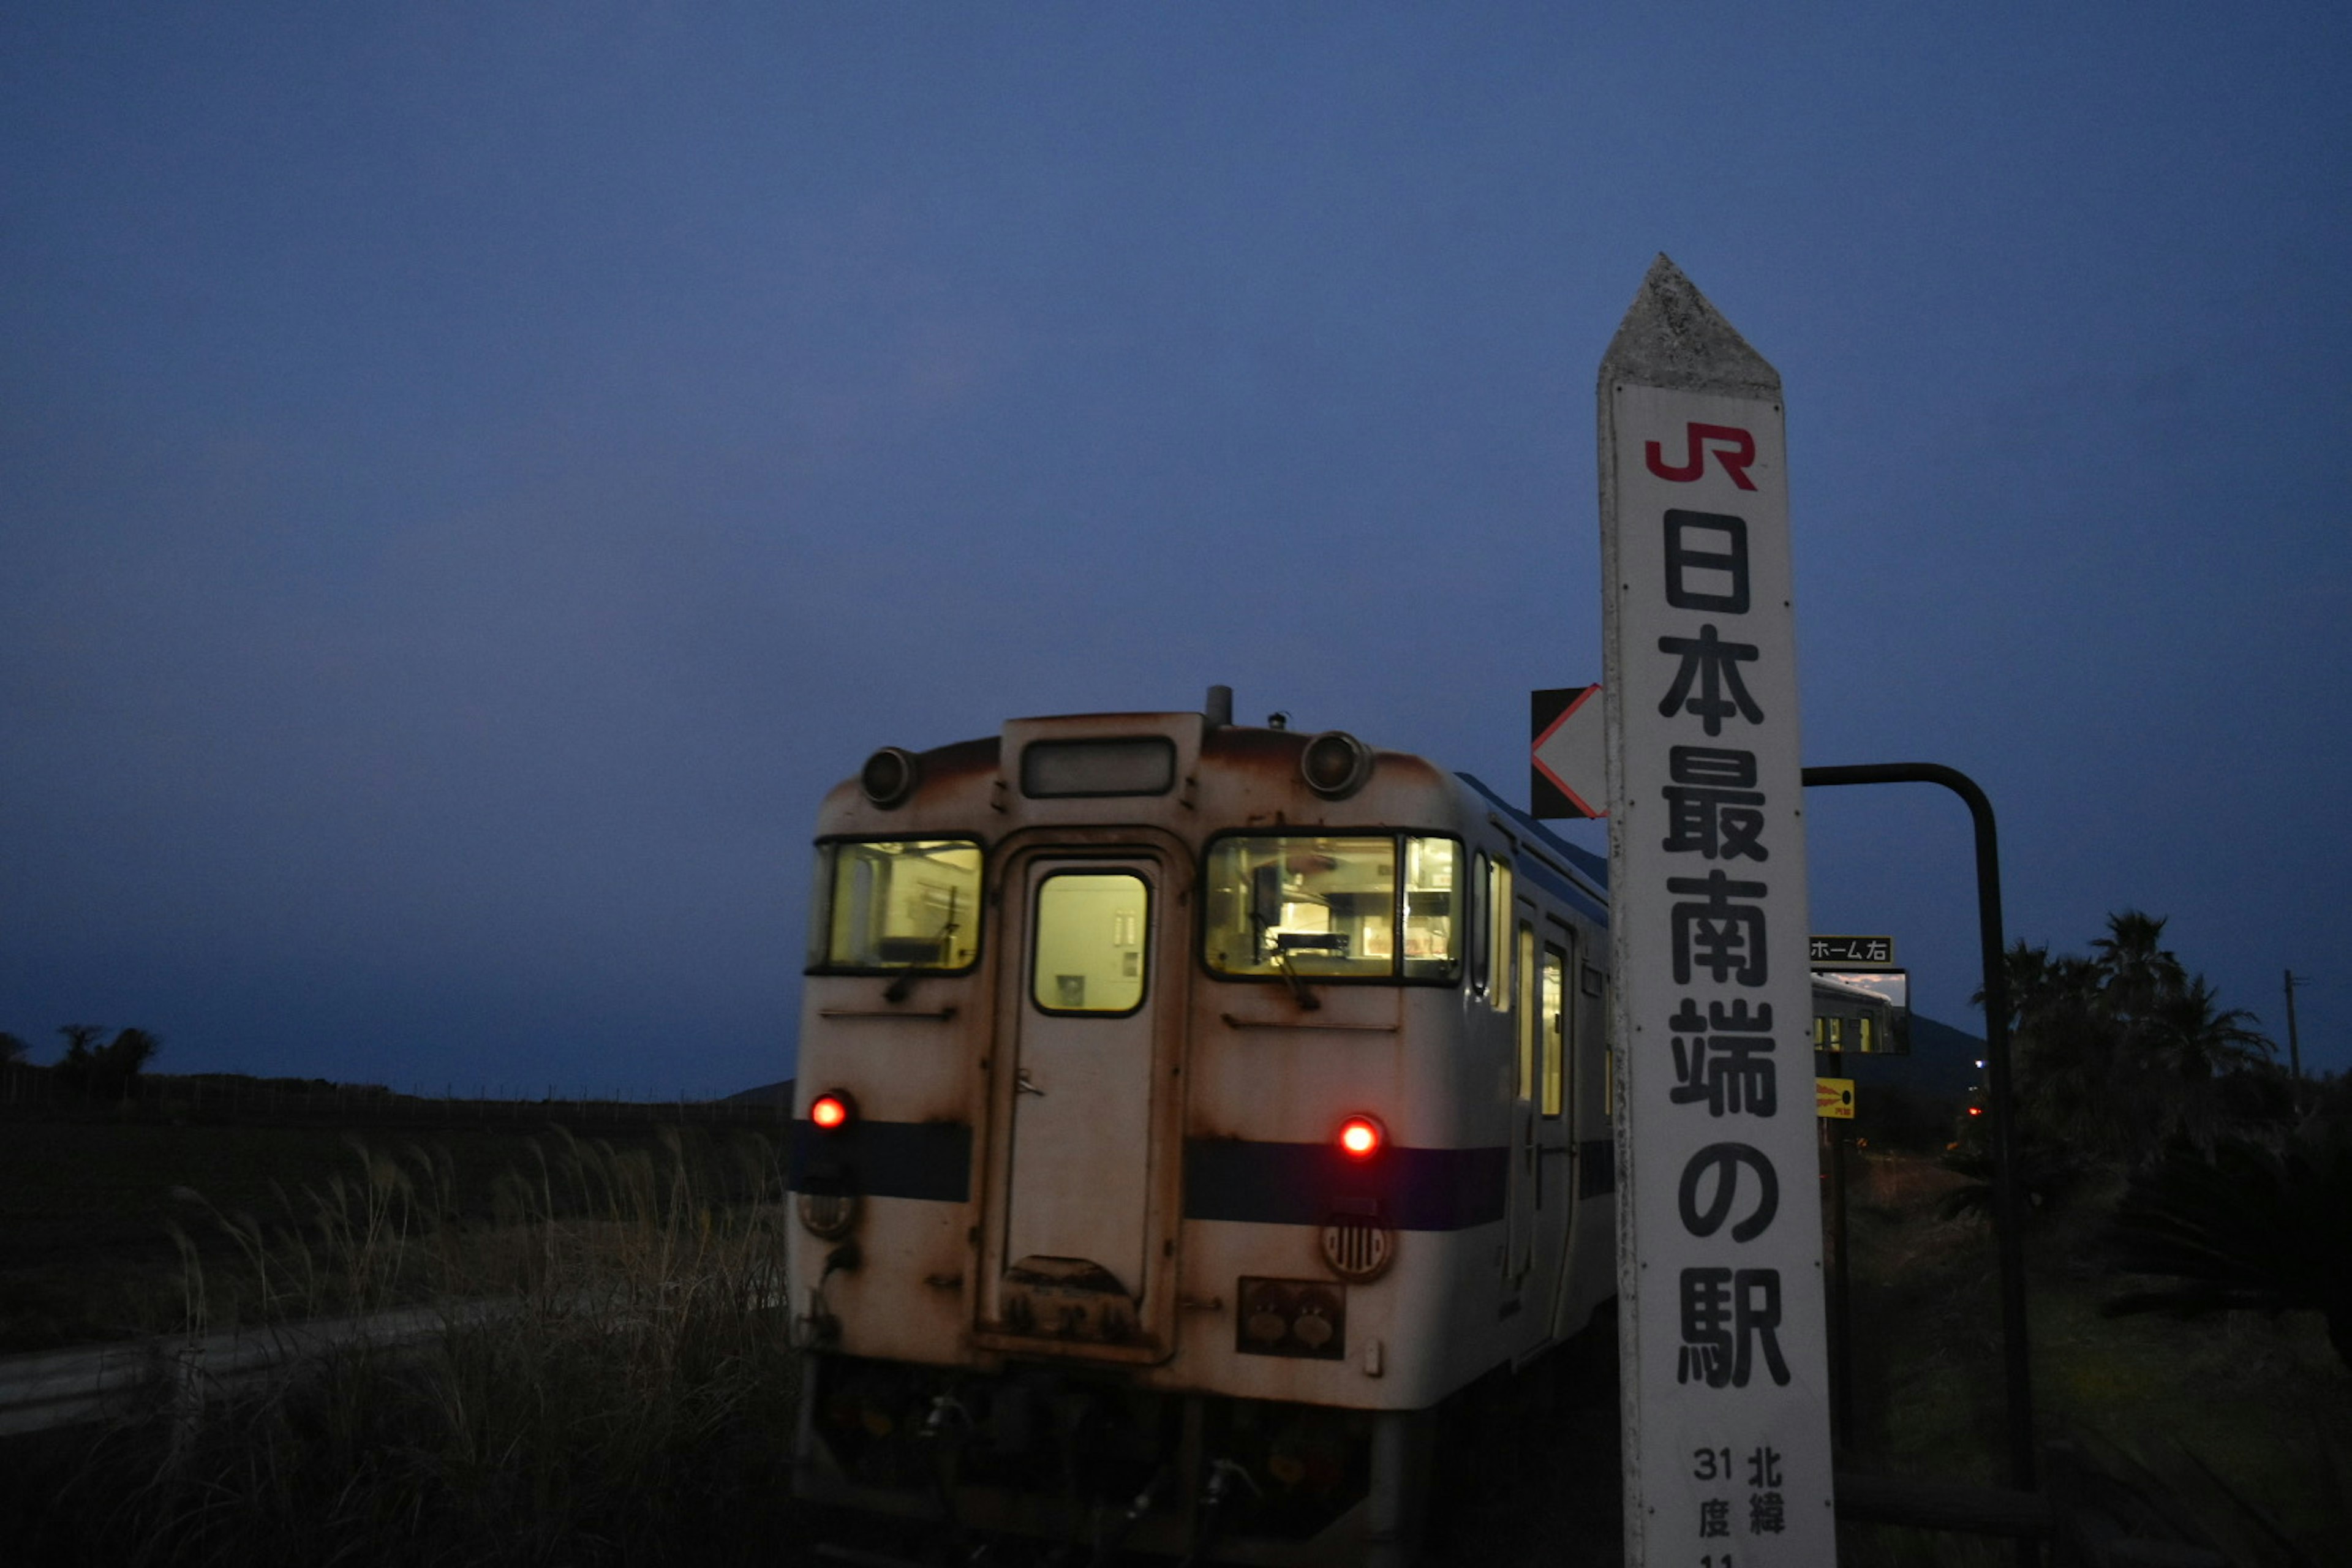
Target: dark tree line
<point x="101" y="1071"/>
<point x="2239" y="1190"/>
<point x="2123" y="1054"/>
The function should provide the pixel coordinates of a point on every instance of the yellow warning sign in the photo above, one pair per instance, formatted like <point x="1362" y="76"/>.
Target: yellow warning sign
<point x="1834" y="1097"/>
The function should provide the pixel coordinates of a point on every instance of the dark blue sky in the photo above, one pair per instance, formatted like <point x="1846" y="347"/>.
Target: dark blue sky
<point x="471" y="478"/>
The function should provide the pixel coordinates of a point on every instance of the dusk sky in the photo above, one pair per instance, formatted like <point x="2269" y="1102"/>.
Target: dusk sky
<point x="471" y="478"/>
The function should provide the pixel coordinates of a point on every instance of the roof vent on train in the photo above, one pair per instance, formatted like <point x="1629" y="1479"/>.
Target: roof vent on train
<point x="889" y="777"/>
<point x="1334" y="764"/>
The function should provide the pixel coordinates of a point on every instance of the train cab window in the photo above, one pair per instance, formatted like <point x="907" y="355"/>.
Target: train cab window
<point x="1432" y="932"/>
<point x="1090" y="944"/>
<point x="1332" y="908"/>
<point x="896" y="904"/>
<point x="1555" y="1030"/>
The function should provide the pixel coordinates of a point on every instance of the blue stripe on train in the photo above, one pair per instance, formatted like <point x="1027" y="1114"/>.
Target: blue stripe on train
<point x="1308" y="1184"/>
<point x="1225" y="1179"/>
<point x="929" y="1160"/>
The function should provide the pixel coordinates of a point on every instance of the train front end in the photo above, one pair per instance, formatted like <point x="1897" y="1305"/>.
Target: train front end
<point x="1150" y="1174"/>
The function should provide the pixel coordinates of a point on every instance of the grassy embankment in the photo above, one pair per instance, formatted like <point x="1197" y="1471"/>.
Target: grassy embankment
<point x="644" y="1394"/>
<point x="638" y="1399"/>
<point x="88" y="1206"/>
<point x="2237" y="1426"/>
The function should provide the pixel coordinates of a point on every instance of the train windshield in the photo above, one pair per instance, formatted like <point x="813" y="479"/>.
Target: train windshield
<point x="896" y="903"/>
<point x="1334" y="908"/>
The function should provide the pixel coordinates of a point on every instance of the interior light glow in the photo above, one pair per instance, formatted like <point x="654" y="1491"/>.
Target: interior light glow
<point x="1360" y="1137"/>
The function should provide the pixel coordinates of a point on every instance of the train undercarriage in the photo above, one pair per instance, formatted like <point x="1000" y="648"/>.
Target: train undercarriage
<point x="1099" y="1469"/>
<point x="1085" y="1469"/>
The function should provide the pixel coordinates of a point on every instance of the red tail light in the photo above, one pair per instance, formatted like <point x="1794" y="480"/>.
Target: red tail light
<point x="831" y="1112"/>
<point x="1362" y="1137"/>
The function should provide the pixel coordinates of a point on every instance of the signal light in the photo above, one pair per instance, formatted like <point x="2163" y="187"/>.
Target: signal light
<point x="1360" y="1137"/>
<point x="831" y="1112"/>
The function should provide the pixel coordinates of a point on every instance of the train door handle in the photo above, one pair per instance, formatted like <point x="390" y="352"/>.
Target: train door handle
<point x="1023" y="1084"/>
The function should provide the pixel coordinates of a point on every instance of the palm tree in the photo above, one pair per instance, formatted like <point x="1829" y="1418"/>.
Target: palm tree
<point x="2119" y="1053"/>
<point x="2137" y="973"/>
<point x="2201" y="1041"/>
<point x="2078" y="1086"/>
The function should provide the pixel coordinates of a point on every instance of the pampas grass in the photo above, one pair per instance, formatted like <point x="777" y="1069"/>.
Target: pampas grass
<point x="613" y="1381"/>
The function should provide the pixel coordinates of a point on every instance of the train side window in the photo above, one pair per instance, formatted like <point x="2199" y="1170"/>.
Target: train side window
<point x="1555" y="1030"/>
<point x="1527" y="1016"/>
<point x="1480" y="913"/>
<point x="1498" y="920"/>
<point x="1089" y="948"/>
<point x="896" y="904"/>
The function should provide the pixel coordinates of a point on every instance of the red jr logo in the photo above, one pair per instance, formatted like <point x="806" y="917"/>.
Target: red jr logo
<point x="1733" y="447"/>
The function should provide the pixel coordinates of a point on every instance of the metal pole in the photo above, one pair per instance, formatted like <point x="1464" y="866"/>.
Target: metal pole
<point x="1841" y="1281"/>
<point x="2007" y="1212"/>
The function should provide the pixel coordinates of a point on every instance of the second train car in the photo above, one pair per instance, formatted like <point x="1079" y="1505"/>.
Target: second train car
<point x="1187" y="1112"/>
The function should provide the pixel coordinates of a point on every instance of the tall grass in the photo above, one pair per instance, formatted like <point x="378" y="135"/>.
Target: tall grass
<point x="2237" y="1431"/>
<point x="628" y="1396"/>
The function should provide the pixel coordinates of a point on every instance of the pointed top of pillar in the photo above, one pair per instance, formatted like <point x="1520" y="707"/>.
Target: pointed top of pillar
<point x="1673" y="337"/>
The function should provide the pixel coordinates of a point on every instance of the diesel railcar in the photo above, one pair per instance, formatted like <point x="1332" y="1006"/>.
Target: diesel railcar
<point x="1186" y="1111"/>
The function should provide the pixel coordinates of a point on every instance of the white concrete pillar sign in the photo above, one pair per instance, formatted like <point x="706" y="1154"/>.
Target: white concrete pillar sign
<point x="1726" y="1390"/>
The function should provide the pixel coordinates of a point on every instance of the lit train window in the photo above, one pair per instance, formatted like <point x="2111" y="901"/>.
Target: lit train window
<point x="1555" y="1030"/>
<point x="1433" y="936"/>
<point x="1527" y="1019"/>
<point x="1327" y="908"/>
<point x="1089" y="947"/>
<point x="896" y="904"/>
<point x="1498" y="920"/>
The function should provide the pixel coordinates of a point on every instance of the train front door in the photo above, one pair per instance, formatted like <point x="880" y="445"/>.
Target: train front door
<point x="1075" y="1247"/>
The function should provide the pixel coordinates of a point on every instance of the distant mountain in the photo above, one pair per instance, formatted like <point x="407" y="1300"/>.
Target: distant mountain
<point x="1914" y="1099"/>
<point x="1942" y="1061"/>
<point x="777" y="1094"/>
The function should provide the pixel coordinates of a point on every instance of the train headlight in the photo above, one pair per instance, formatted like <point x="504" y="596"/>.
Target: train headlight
<point x="889" y="777"/>
<point x="829" y="1215"/>
<point x="1334" y="764"/>
<point x="832" y="1110"/>
<point x="1362" y="1137"/>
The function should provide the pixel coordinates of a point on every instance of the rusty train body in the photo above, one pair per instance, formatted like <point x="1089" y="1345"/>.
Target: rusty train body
<point x="1186" y="1111"/>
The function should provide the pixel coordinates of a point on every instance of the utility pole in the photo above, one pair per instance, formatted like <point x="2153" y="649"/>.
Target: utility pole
<point x="2293" y="1046"/>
